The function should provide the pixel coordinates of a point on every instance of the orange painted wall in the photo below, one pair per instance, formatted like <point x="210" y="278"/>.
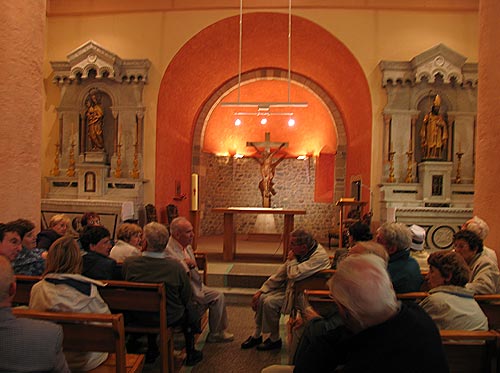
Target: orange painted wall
<point x="325" y="178"/>
<point x="210" y="58"/>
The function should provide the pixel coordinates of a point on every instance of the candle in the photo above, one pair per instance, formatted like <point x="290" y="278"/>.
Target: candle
<point x="194" y="192"/>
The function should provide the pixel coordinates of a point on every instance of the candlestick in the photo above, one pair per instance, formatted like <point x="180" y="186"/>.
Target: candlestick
<point x="391" y="178"/>
<point x="55" y="171"/>
<point x="71" y="163"/>
<point x="458" y="178"/>
<point x="118" y="170"/>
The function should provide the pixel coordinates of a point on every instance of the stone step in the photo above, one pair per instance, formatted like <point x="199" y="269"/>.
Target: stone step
<point x="238" y="281"/>
<point x="238" y="295"/>
<point x="239" y="275"/>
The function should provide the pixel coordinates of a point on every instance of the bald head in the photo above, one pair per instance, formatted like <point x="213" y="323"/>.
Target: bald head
<point x="7" y="282"/>
<point x="182" y="230"/>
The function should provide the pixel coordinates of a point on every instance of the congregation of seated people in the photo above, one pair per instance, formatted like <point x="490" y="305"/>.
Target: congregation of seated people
<point x="368" y="276"/>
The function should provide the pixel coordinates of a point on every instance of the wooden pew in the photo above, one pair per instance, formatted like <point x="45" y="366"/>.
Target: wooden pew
<point x="126" y="296"/>
<point x="471" y="351"/>
<point x="123" y="297"/>
<point x="466" y="351"/>
<point x="490" y="304"/>
<point x="80" y="334"/>
<point x="23" y="288"/>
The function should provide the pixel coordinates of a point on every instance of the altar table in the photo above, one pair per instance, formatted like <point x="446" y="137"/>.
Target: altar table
<point x="230" y="233"/>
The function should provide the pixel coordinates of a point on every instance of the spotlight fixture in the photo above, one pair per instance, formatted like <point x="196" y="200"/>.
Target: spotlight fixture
<point x="263" y="121"/>
<point x="265" y="106"/>
<point x="291" y="122"/>
<point x="237" y="122"/>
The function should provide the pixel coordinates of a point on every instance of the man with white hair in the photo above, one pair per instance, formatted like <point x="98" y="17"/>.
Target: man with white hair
<point x="481" y="228"/>
<point x="26" y="345"/>
<point x="154" y="266"/>
<point x="179" y="249"/>
<point x="379" y="333"/>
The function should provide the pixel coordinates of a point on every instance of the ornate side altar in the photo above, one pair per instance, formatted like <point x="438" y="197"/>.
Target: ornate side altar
<point x="98" y="155"/>
<point x="429" y="125"/>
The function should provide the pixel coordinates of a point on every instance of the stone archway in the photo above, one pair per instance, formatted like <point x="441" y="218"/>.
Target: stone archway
<point x="269" y="74"/>
<point x="205" y="62"/>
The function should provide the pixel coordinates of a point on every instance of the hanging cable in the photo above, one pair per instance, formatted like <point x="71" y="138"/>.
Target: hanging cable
<point x="289" y="47"/>
<point x="239" y="49"/>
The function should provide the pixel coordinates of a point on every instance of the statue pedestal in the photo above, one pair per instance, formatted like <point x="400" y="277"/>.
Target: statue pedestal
<point x="95" y="157"/>
<point x="436" y="183"/>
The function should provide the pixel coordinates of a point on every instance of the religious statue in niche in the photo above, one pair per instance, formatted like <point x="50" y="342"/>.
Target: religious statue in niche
<point x="267" y="167"/>
<point x="434" y="132"/>
<point x="95" y="116"/>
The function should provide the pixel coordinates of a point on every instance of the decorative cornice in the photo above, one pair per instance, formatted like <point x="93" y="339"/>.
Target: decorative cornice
<point x="91" y="58"/>
<point x="439" y="62"/>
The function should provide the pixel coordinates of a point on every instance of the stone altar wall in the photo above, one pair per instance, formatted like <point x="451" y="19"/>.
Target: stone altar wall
<point x="234" y="182"/>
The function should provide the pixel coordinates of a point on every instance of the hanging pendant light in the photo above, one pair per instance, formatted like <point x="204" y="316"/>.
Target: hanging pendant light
<point x="265" y="107"/>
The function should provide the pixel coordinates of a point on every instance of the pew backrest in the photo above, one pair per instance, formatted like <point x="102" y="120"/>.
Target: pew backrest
<point x="91" y="332"/>
<point x="470" y="351"/>
<point x="125" y="297"/>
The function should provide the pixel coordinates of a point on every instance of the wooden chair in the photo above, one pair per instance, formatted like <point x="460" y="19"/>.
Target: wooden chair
<point x="81" y="334"/>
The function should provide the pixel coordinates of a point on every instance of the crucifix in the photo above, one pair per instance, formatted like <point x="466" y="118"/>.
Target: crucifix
<point x="267" y="166"/>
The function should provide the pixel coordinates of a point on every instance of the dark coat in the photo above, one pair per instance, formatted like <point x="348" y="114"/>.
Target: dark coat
<point x="100" y="267"/>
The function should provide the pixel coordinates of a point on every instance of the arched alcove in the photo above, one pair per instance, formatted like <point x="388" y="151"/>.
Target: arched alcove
<point x="207" y="66"/>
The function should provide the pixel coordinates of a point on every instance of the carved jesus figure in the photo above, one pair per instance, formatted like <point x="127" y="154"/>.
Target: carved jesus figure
<point x="267" y="171"/>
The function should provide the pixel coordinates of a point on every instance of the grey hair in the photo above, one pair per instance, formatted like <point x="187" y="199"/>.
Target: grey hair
<point x="156" y="236"/>
<point x="175" y="224"/>
<point x="396" y="235"/>
<point x="6" y="277"/>
<point x="301" y="237"/>
<point x="363" y="288"/>
<point x="478" y="226"/>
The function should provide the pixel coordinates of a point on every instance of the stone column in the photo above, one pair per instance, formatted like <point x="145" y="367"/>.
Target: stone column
<point x="22" y="32"/>
<point x="487" y="197"/>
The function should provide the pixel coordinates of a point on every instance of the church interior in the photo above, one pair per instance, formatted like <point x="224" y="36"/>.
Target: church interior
<point x="367" y="75"/>
<point x="252" y="118"/>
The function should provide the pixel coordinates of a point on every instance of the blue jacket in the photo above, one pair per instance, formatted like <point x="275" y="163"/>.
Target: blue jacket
<point x="404" y="272"/>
